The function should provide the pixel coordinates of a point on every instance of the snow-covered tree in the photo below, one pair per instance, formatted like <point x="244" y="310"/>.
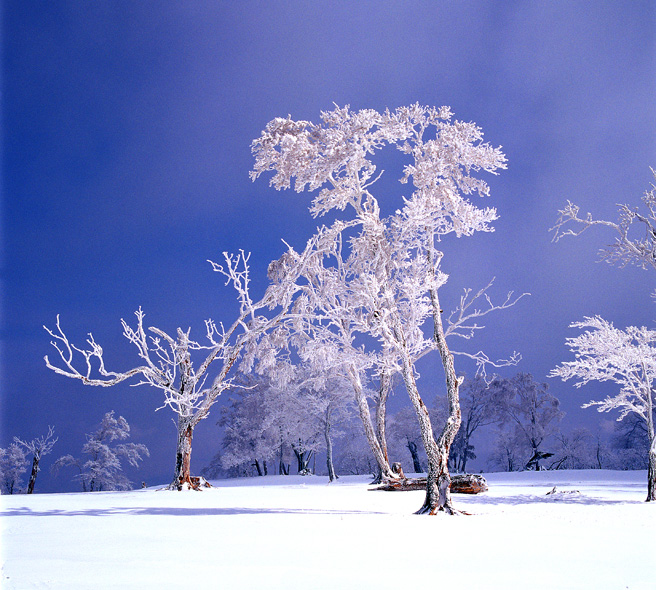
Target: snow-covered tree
<point x="626" y="357"/>
<point x="629" y="444"/>
<point x="328" y="318"/>
<point x="391" y="274"/>
<point x="575" y="450"/>
<point x="249" y="439"/>
<point x="635" y="240"/>
<point x="530" y="411"/>
<point x="100" y="467"/>
<point x="38" y="448"/>
<point x="353" y="455"/>
<point x="13" y="463"/>
<point x="506" y="451"/>
<point x="478" y="409"/>
<point x="329" y="400"/>
<point x="167" y="362"/>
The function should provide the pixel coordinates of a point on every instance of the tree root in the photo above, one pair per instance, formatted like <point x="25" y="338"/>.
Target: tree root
<point x="196" y="483"/>
<point x="437" y="510"/>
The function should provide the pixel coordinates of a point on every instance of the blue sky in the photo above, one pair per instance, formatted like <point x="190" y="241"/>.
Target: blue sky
<point x="126" y="151"/>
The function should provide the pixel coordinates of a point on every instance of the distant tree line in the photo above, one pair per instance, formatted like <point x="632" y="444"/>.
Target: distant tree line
<point x="269" y="430"/>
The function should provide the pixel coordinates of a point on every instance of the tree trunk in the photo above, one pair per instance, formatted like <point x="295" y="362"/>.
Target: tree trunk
<point x="303" y="459"/>
<point x="460" y="484"/>
<point x="438" y="481"/>
<point x="256" y="464"/>
<point x="281" y="460"/>
<point x="412" y="447"/>
<point x="365" y="416"/>
<point x="651" y="472"/>
<point x="329" y="448"/>
<point x="465" y="455"/>
<point x="35" y="470"/>
<point x="381" y="411"/>
<point x="438" y="496"/>
<point x="182" y="478"/>
<point x="651" y="430"/>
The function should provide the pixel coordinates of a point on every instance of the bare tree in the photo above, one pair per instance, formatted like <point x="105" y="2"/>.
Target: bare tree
<point x="38" y="447"/>
<point x="625" y="357"/>
<point x="575" y="450"/>
<point x="167" y="361"/>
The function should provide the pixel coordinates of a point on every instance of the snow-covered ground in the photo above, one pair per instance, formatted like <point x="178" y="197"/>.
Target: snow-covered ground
<point x="301" y="532"/>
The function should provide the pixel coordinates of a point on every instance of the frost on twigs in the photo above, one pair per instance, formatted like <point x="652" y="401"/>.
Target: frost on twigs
<point x="635" y="231"/>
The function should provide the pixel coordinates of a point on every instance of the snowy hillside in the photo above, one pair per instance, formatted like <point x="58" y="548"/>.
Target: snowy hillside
<point x="301" y="532"/>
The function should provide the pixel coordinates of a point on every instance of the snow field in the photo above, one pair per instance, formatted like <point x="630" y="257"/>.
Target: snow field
<point x="301" y="532"/>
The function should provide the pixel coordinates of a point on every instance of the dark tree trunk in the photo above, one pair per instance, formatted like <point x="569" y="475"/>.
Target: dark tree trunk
<point x="412" y="447"/>
<point x="35" y="470"/>
<point x="651" y="474"/>
<point x="465" y="456"/>
<point x="183" y="478"/>
<point x="303" y="460"/>
<point x="256" y="464"/>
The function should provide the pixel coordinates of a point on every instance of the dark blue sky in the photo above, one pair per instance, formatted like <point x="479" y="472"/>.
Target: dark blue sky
<point x="126" y="152"/>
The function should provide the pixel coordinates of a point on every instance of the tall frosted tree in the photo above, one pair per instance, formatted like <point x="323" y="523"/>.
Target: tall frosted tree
<point x="392" y="268"/>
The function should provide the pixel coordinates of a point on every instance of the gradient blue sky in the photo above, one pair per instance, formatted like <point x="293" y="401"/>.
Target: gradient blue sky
<point x="126" y="152"/>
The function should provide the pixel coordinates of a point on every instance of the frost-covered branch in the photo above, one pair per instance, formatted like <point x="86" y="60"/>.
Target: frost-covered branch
<point x="459" y="322"/>
<point x="628" y="248"/>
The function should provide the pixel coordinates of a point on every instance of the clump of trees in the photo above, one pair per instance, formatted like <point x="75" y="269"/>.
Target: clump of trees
<point x="379" y="279"/>
<point x="100" y="468"/>
<point x="264" y="424"/>
<point x="361" y="302"/>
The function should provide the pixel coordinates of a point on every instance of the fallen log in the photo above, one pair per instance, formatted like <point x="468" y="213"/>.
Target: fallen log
<point x="460" y="484"/>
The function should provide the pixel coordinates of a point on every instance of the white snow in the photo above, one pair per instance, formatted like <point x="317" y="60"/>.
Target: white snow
<point x="301" y="532"/>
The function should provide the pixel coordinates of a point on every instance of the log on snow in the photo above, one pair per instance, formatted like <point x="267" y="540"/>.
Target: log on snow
<point x="460" y="484"/>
